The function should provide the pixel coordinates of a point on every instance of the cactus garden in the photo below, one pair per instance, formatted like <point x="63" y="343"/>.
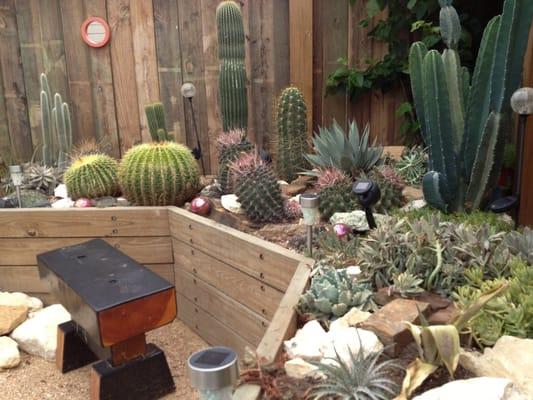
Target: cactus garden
<point x="342" y="196"/>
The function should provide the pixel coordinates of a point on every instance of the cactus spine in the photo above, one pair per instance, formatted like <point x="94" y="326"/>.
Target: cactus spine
<point x="291" y="124"/>
<point x="155" y="115"/>
<point x="232" y="82"/>
<point x="92" y="176"/>
<point x="464" y="122"/>
<point x="56" y="127"/>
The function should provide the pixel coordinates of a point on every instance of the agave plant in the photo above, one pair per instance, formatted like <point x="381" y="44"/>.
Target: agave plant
<point x="350" y="153"/>
<point x="41" y="177"/>
<point x="363" y="378"/>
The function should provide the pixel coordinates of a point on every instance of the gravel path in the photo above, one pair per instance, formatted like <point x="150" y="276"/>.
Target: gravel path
<point x="37" y="379"/>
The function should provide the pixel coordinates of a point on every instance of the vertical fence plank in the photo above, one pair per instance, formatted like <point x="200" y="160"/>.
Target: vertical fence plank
<point x="169" y="65"/>
<point x="318" y="62"/>
<point x="13" y="80"/>
<point x="245" y="8"/>
<point x="123" y="65"/>
<point x="5" y="141"/>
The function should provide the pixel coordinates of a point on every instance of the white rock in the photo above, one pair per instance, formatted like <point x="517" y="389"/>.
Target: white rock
<point x="231" y="203"/>
<point x="353" y="340"/>
<point x="353" y="271"/>
<point x="307" y="342"/>
<point x="476" y="388"/>
<point x="300" y="369"/>
<point x="415" y="205"/>
<point x="38" y="334"/>
<point x="295" y="198"/>
<point x="356" y="220"/>
<point x="61" y="191"/>
<point x="20" y="299"/>
<point x="9" y="353"/>
<point x="281" y="183"/>
<point x="351" y="318"/>
<point x="63" y="203"/>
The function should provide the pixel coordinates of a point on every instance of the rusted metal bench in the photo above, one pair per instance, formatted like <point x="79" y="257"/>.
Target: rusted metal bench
<point x="113" y="301"/>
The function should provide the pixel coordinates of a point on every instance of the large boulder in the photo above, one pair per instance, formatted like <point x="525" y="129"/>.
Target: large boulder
<point x="9" y="353"/>
<point x="11" y="317"/>
<point x="476" y="388"/>
<point x="307" y="341"/>
<point x="38" y="334"/>
<point x="17" y="299"/>
<point x="345" y="342"/>
<point x="350" y="319"/>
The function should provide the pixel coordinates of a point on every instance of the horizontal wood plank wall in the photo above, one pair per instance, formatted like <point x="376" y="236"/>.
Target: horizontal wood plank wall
<point x="229" y="284"/>
<point x="142" y="233"/>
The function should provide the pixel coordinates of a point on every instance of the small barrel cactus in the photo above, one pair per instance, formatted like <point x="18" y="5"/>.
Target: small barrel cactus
<point x="391" y="186"/>
<point x="159" y="174"/>
<point x="257" y="188"/>
<point x="230" y="146"/>
<point x="291" y="141"/>
<point x="92" y="176"/>
<point x="335" y="193"/>
<point x="333" y="293"/>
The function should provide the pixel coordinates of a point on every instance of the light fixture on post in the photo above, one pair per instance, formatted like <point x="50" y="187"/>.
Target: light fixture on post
<point x="188" y="91"/>
<point x="368" y="193"/>
<point x="17" y="176"/>
<point x="309" y="203"/>
<point x="214" y="372"/>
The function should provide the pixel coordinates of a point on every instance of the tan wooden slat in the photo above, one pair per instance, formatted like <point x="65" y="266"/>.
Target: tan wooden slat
<point x="25" y="278"/>
<point x="149" y="250"/>
<point x="208" y="328"/>
<point x="234" y="314"/>
<point x="5" y="141"/>
<point x="318" y="61"/>
<point x="92" y="222"/>
<point x="267" y="261"/>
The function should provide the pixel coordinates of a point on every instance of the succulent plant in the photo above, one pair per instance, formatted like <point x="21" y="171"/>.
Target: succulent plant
<point x="335" y="193"/>
<point x="291" y="128"/>
<point x="155" y="115"/>
<point x="92" y="176"/>
<point x="391" y="186"/>
<point x="230" y="147"/>
<point x="348" y="153"/>
<point x="56" y="127"/>
<point x="465" y="129"/>
<point x="333" y="293"/>
<point x="41" y="177"/>
<point x="407" y="284"/>
<point x="158" y="174"/>
<point x="521" y="244"/>
<point x="364" y="377"/>
<point x="412" y="165"/>
<point x="257" y="188"/>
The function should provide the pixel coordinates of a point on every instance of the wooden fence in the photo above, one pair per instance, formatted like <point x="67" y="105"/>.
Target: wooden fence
<point x="155" y="46"/>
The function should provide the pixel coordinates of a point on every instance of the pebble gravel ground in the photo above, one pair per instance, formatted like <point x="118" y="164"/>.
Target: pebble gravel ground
<point x="37" y="379"/>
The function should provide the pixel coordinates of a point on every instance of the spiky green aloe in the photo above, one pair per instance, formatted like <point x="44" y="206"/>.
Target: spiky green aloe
<point x="92" y="176"/>
<point x="464" y="121"/>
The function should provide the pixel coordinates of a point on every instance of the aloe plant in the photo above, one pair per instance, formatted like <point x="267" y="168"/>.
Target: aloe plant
<point x="464" y="119"/>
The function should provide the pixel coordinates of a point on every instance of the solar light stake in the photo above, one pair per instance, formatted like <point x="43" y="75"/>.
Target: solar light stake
<point x="214" y="372"/>
<point x="17" y="176"/>
<point x="368" y="193"/>
<point x="188" y="90"/>
<point x="309" y="203"/>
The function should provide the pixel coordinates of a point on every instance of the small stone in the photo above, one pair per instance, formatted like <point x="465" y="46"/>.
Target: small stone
<point x="212" y="190"/>
<point x="15" y="299"/>
<point x="436" y="302"/>
<point x="353" y="271"/>
<point x="415" y="205"/>
<point x="350" y="340"/>
<point x="388" y="323"/>
<point x="61" y="191"/>
<point x="83" y="203"/>
<point x="11" y="317"/>
<point x="123" y="202"/>
<point x="104" y="202"/>
<point x="444" y="316"/>
<point x="412" y="194"/>
<point x="356" y="220"/>
<point x="63" y="203"/>
<point x="9" y="353"/>
<point x="298" y="368"/>
<point x="304" y="180"/>
<point x="293" y="189"/>
<point x="230" y="202"/>
<point x="38" y="334"/>
<point x="350" y="319"/>
<point x="307" y="341"/>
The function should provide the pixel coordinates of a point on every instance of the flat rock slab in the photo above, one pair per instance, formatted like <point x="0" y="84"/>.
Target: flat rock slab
<point x="11" y="317"/>
<point x="388" y="323"/>
<point x="292" y="189"/>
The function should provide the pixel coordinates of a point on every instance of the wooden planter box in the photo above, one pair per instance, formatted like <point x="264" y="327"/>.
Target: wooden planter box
<point x="233" y="289"/>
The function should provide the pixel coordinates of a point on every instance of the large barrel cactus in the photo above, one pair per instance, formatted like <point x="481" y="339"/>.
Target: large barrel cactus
<point x="464" y="121"/>
<point x="291" y="141"/>
<point x="232" y="82"/>
<point x="230" y="147"/>
<point x="92" y="176"/>
<point x="159" y="174"/>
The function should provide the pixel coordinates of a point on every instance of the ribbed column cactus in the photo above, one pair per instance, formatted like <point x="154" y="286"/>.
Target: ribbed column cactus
<point x="155" y="115"/>
<point x="230" y="147"/>
<point x="92" y="176"/>
<point x="232" y="81"/>
<point x="159" y="174"/>
<point x="463" y="121"/>
<point x="291" y="128"/>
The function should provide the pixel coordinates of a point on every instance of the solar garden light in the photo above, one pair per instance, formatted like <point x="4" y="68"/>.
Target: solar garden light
<point x="17" y="176"/>
<point x="368" y="194"/>
<point x="522" y="104"/>
<point x="214" y="372"/>
<point x="188" y="90"/>
<point x="309" y="203"/>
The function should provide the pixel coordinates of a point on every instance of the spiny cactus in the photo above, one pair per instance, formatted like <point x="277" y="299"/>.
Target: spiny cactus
<point x="232" y="81"/>
<point x="335" y="189"/>
<point x="464" y="121"/>
<point x="56" y="127"/>
<point x="230" y="146"/>
<point x="257" y="188"/>
<point x="159" y="174"/>
<point x="155" y="115"/>
<point x="291" y="141"/>
<point x="391" y="186"/>
<point x="92" y="176"/>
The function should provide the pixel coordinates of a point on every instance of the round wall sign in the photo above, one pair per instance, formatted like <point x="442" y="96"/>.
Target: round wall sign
<point x="95" y="32"/>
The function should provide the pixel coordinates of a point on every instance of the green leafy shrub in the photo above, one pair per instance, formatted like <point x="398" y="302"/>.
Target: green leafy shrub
<point x="92" y="176"/>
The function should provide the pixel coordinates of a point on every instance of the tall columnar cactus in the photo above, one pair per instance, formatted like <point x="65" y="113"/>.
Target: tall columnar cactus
<point x="232" y="82"/>
<point x="56" y="127"/>
<point x="92" y="176"/>
<point x="230" y="147"/>
<point x="291" y="141"/>
<point x="464" y="121"/>
<point x="155" y="115"/>
<point x="159" y="174"/>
